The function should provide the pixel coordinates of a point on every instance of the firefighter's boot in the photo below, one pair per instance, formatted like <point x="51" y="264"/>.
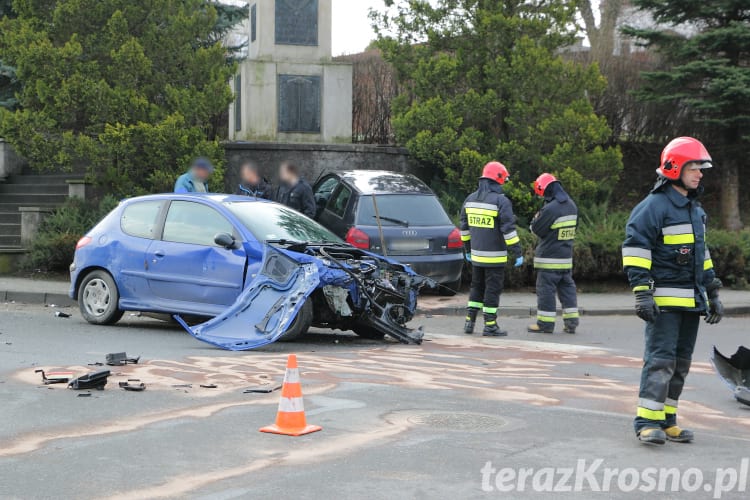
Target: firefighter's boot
<point x="652" y="435"/>
<point x="536" y="328"/>
<point x="490" y="327"/>
<point x="678" y="435"/>
<point x="471" y="320"/>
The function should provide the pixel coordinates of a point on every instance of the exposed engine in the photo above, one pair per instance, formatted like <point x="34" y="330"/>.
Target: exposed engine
<point x="383" y="294"/>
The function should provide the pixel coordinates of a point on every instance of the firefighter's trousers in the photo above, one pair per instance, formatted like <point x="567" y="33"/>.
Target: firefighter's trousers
<point x="670" y="341"/>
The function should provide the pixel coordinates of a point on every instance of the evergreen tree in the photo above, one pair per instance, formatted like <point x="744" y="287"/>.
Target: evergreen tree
<point x="483" y="80"/>
<point x="706" y="73"/>
<point x="128" y="90"/>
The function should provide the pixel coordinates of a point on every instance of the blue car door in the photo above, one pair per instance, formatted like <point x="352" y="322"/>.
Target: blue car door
<point x="187" y="271"/>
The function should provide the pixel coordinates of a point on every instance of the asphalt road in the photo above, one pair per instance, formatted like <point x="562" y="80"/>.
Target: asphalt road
<point x="398" y="421"/>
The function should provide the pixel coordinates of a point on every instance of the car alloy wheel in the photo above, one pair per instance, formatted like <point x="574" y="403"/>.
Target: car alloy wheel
<point x="96" y="297"/>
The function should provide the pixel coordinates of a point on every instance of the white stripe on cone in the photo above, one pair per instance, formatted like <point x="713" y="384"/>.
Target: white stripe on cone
<point x="291" y="405"/>
<point x="291" y="376"/>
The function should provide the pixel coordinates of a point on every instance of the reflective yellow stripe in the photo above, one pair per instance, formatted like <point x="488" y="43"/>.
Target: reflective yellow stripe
<point x="475" y="305"/>
<point x="553" y="266"/>
<point x="513" y="241"/>
<point x="651" y="414"/>
<point x="558" y="225"/>
<point x="641" y="288"/>
<point x="481" y="211"/>
<point x="670" y="410"/>
<point x="679" y="239"/>
<point x="636" y="262"/>
<point x="708" y="264"/>
<point x="489" y="260"/>
<point x="545" y="319"/>
<point x="465" y="237"/>
<point x="490" y="323"/>
<point x="571" y="315"/>
<point x="674" y="302"/>
<point x="489" y="310"/>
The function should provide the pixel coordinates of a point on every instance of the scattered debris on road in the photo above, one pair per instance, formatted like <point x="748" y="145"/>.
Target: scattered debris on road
<point x="55" y="377"/>
<point x="93" y="380"/>
<point x="120" y="359"/>
<point x="133" y="384"/>
<point x="60" y="314"/>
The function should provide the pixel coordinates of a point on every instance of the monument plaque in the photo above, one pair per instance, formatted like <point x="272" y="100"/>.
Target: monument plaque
<point x="299" y="103"/>
<point x="297" y="22"/>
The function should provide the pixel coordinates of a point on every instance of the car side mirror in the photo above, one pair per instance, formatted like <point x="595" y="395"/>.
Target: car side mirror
<point x="225" y="240"/>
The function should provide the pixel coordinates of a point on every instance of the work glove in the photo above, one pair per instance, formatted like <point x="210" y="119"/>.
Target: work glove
<point x="467" y="256"/>
<point x="645" y="307"/>
<point x="715" y="310"/>
<point x="519" y="261"/>
<point x="715" y="307"/>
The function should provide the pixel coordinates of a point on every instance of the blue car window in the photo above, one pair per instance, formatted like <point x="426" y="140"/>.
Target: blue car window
<point x="139" y="219"/>
<point x="194" y="223"/>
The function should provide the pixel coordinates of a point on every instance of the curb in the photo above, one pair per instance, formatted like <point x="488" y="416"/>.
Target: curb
<point x="531" y="311"/>
<point x="47" y="299"/>
<point x="62" y="300"/>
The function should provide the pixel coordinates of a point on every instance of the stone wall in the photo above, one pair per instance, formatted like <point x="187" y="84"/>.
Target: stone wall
<point x="313" y="159"/>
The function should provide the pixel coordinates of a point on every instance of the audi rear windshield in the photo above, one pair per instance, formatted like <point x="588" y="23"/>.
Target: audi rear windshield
<point x="270" y="221"/>
<point x="402" y="210"/>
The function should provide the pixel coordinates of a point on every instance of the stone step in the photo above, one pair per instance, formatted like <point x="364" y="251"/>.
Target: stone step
<point x="29" y="178"/>
<point x="33" y="188"/>
<point x="10" y="240"/>
<point x="13" y="207"/>
<point x="10" y="229"/>
<point x="10" y="217"/>
<point x="32" y="199"/>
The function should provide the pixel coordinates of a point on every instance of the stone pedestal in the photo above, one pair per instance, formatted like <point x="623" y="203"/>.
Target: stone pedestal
<point x="10" y="162"/>
<point x="288" y="89"/>
<point x="31" y="219"/>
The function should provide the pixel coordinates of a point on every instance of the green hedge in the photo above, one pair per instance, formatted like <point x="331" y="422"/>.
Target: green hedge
<point x="597" y="252"/>
<point x="54" y="244"/>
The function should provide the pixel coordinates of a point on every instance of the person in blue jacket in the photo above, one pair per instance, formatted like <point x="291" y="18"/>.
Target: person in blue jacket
<point x="195" y="180"/>
<point x="671" y="273"/>
<point x="252" y="183"/>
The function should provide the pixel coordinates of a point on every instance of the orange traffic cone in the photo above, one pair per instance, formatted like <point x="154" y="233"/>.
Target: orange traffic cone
<point x="290" y="420"/>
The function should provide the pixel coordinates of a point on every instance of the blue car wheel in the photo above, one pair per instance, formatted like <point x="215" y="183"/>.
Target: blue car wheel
<point x="98" y="298"/>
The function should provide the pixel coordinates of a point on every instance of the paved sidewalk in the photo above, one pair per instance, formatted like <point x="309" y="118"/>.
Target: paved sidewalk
<point x="736" y="302"/>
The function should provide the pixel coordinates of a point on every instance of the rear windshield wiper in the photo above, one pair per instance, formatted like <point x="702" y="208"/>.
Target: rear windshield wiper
<point x="394" y="220"/>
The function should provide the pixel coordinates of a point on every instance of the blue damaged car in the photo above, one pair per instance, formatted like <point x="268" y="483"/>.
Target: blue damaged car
<point x="261" y="271"/>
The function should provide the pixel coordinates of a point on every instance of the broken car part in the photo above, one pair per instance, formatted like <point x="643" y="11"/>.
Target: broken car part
<point x="55" y="377"/>
<point x="735" y="372"/>
<point x="133" y="384"/>
<point x="93" y="380"/>
<point x="120" y="359"/>
<point x="349" y="289"/>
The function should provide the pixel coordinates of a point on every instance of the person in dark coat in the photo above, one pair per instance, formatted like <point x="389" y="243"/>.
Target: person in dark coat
<point x="252" y="183"/>
<point x="294" y="191"/>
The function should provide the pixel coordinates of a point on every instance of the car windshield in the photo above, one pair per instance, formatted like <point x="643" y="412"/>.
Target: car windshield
<point x="270" y="221"/>
<point x="402" y="210"/>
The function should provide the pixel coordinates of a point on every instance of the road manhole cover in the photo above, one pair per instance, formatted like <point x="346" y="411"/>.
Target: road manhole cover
<point x="465" y="422"/>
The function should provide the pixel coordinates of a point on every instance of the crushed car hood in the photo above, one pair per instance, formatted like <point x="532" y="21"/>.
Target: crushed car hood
<point x="384" y="299"/>
<point x="266" y="309"/>
<point x="735" y="372"/>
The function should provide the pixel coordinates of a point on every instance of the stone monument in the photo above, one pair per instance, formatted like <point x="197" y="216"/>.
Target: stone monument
<point x="289" y="89"/>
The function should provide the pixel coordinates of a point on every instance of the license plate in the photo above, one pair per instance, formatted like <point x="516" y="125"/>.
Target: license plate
<point x="409" y="245"/>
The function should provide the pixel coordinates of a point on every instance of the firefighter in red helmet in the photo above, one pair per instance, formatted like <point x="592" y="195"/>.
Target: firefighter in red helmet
<point x="672" y="276"/>
<point x="488" y="230"/>
<point x="555" y="226"/>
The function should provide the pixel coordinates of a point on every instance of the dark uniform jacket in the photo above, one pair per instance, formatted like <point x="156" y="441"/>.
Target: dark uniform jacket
<point x="299" y="197"/>
<point x="665" y="246"/>
<point x="261" y="190"/>
<point x="488" y="226"/>
<point x="555" y="225"/>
